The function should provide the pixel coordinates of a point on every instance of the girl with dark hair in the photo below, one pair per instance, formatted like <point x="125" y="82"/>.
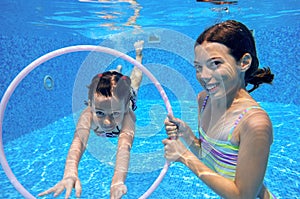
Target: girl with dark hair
<point x="235" y="133"/>
<point x="111" y="102"/>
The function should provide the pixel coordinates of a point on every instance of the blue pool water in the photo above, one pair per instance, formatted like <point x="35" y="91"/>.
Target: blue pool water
<point x="42" y="153"/>
<point x="43" y="162"/>
<point x="39" y="123"/>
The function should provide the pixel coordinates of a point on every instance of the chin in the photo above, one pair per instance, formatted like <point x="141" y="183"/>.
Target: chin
<point x="218" y="95"/>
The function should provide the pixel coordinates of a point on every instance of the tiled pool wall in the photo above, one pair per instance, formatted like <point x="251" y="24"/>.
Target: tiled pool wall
<point x="32" y="106"/>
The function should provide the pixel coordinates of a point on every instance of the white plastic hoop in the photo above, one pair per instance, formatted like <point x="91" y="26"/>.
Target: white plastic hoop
<point x="49" y="56"/>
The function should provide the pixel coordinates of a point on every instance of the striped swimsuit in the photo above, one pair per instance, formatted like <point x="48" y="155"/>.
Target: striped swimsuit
<point x="221" y="156"/>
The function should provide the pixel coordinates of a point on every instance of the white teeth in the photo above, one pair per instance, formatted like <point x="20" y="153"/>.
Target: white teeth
<point x="209" y="87"/>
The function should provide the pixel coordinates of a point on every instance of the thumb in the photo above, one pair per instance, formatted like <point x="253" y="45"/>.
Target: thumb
<point x="171" y="118"/>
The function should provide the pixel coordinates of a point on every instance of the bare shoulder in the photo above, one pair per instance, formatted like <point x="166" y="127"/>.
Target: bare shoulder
<point x="257" y="124"/>
<point x="87" y="110"/>
<point x="130" y="115"/>
<point x="129" y="122"/>
<point x="86" y="113"/>
<point x="85" y="119"/>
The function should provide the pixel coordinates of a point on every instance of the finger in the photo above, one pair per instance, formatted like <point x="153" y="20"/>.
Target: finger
<point x="170" y="128"/>
<point x="169" y="160"/>
<point x="171" y="133"/>
<point x="122" y="191"/>
<point x="166" y="141"/>
<point x="171" y="118"/>
<point x="173" y="136"/>
<point x="125" y="190"/>
<point x="59" y="190"/>
<point x="46" y="192"/>
<point x="68" y="192"/>
<point x="78" y="188"/>
<point x="173" y="121"/>
<point x="167" y="121"/>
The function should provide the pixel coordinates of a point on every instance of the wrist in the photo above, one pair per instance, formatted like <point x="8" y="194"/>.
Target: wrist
<point x="116" y="184"/>
<point x="70" y="173"/>
<point x="73" y="177"/>
<point x="184" y="157"/>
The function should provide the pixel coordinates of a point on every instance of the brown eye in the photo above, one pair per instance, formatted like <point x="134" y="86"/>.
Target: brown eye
<point x="116" y="114"/>
<point x="100" y="114"/>
<point x="214" y="64"/>
<point x="198" y="68"/>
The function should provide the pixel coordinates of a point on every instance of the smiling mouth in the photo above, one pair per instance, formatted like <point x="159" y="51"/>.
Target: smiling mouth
<point x="211" y="88"/>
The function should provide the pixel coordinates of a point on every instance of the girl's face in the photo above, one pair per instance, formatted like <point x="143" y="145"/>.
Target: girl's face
<point x="108" y="113"/>
<point x="217" y="70"/>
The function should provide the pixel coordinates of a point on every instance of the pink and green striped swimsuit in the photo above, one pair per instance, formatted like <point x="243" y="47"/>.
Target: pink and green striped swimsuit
<point x="221" y="155"/>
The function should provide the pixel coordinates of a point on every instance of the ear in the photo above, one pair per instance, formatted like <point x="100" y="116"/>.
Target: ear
<point x="245" y="62"/>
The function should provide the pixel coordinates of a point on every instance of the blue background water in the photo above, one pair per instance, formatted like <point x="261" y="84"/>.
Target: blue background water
<point x="38" y="125"/>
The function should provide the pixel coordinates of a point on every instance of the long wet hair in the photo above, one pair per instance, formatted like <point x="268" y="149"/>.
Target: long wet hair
<point x="239" y="39"/>
<point x="110" y="83"/>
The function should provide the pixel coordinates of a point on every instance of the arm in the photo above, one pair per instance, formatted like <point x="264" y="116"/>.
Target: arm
<point x="178" y="128"/>
<point x="255" y="141"/>
<point x="125" y="141"/>
<point x="136" y="74"/>
<point x="78" y="145"/>
<point x="70" y="179"/>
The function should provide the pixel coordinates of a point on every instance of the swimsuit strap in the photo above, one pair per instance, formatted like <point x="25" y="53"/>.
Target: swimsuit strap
<point x="239" y="119"/>
<point x="133" y="99"/>
<point x="204" y="103"/>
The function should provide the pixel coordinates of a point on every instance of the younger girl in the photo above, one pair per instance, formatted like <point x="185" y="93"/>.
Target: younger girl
<point x="111" y="102"/>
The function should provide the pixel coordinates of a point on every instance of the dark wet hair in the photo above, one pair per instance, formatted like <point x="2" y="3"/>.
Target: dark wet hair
<point x="110" y="82"/>
<point x="239" y="39"/>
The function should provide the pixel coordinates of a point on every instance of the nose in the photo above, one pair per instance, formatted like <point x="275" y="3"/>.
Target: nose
<point x="205" y="74"/>
<point x="108" y="122"/>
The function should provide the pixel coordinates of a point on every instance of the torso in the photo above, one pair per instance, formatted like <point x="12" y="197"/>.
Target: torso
<point x="217" y="124"/>
<point x="219" y="150"/>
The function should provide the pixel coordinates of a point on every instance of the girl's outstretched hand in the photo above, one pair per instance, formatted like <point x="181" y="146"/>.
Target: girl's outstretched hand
<point x="67" y="183"/>
<point x="117" y="191"/>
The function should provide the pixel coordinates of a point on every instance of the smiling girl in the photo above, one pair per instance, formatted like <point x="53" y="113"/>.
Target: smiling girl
<point x="235" y="133"/>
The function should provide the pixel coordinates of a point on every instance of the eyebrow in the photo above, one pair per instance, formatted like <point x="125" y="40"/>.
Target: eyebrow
<point x="116" y="110"/>
<point x="210" y="59"/>
<point x="213" y="58"/>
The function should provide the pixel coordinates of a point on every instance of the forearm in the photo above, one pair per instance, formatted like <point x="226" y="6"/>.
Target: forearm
<point x="122" y="159"/>
<point x="136" y="74"/>
<point x="136" y="78"/>
<point x="221" y="185"/>
<point x="76" y="150"/>
<point x="78" y="145"/>
<point x="139" y="57"/>
<point x="191" y="141"/>
<point x="195" y="146"/>
<point x="121" y="167"/>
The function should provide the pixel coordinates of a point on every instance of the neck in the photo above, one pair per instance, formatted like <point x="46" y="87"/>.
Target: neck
<point x="224" y="103"/>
